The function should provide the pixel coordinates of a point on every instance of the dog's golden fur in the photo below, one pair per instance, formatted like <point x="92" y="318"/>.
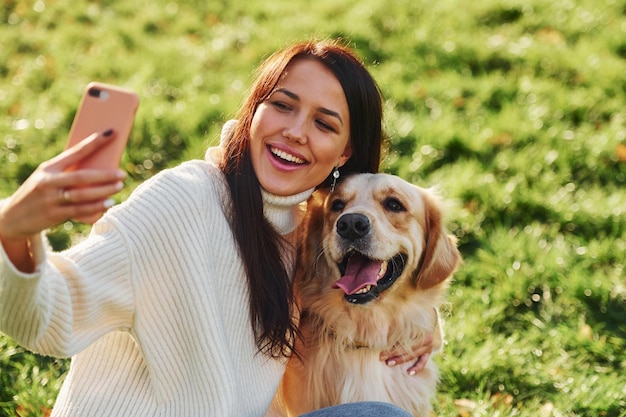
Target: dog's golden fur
<point x="343" y="334"/>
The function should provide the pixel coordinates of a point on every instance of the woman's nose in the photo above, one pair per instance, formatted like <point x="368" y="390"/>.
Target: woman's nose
<point x="296" y="132"/>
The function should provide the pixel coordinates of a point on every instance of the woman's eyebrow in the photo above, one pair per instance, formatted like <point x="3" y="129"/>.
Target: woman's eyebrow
<point x="324" y="110"/>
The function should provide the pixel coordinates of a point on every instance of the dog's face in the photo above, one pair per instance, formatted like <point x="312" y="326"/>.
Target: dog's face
<point x="380" y="235"/>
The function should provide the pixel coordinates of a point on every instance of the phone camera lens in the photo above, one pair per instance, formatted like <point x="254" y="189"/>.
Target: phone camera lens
<point x="101" y="94"/>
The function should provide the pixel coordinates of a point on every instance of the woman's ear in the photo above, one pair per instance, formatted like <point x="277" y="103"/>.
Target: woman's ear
<point x="347" y="153"/>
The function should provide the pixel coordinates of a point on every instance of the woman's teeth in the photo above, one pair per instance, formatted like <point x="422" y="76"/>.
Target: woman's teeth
<point x="286" y="156"/>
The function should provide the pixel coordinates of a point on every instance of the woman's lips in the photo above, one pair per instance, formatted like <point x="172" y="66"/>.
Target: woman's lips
<point x="283" y="157"/>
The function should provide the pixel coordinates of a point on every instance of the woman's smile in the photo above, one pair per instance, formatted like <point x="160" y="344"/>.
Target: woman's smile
<point x="283" y="156"/>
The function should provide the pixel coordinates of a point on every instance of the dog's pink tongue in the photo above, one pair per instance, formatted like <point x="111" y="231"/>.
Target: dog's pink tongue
<point x="360" y="272"/>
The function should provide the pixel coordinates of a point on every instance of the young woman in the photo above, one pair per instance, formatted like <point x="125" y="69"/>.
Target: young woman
<point x="179" y="303"/>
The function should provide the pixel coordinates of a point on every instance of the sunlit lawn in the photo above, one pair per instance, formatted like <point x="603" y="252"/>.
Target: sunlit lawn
<point x="515" y="109"/>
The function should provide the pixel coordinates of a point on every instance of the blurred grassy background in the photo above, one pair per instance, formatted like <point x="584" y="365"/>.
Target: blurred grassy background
<point x="515" y="109"/>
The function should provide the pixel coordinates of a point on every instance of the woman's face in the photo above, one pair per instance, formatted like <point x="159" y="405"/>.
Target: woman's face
<point x="301" y="131"/>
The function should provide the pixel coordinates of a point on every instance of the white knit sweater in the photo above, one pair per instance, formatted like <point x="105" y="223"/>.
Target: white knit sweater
<point x="153" y="306"/>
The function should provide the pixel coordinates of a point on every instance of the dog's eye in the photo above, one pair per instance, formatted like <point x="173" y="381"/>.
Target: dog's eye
<point x="393" y="204"/>
<point x="337" y="205"/>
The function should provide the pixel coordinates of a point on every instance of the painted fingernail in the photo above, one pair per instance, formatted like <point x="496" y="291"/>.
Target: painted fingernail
<point x="108" y="203"/>
<point x="119" y="185"/>
<point x="107" y="132"/>
<point x="391" y="362"/>
<point x="412" y="372"/>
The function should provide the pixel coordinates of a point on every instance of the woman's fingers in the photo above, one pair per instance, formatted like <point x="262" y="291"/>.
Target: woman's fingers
<point x="86" y="179"/>
<point x="398" y="355"/>
<point x="85" y="195"/>
<point x="87" y="202"/>
<point x="83" y="149"/>
<point x="419" y="365"/>
<point x="88" y="212"/>
<point x="420" y="353"/>
<point x="48" y="198"/>
<point x="26" y="214"/>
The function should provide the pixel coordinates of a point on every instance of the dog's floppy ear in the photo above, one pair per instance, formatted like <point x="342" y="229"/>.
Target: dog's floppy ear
<point x="441" y="256"/>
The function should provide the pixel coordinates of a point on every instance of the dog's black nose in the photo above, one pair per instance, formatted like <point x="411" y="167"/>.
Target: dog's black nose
<point x="352" y="226"/>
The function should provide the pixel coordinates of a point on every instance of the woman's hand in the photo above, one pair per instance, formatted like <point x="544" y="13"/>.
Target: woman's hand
<point x="52" y="195"/>
<point x="420" y="353"/>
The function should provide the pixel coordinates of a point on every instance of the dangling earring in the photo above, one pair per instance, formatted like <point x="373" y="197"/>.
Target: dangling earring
<point x="335" y="177"/>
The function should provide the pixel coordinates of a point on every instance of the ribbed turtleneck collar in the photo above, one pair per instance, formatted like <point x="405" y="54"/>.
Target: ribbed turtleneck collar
<point x="284" y="212"/>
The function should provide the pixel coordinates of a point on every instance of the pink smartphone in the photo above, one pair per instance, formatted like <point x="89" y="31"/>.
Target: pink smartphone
<point x="104" y="107"/>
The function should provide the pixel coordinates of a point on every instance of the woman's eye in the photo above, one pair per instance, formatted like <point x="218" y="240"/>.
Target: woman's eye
<point x="325" y="126"/>
<point x="281" y="106"/>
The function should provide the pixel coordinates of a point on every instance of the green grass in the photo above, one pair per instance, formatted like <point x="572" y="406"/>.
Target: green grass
<point x="515" y="109"/>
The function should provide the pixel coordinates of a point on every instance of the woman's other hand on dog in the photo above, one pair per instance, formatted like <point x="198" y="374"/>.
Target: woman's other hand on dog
<point x="420" y="353"/>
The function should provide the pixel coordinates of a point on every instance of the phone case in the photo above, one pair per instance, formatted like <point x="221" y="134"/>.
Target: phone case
<point x="104" y="107"/>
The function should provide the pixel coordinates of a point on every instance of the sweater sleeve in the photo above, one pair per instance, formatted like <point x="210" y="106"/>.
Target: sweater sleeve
<point x="72" y="299"/>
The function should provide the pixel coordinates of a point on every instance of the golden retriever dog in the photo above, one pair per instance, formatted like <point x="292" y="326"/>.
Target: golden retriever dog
<point x="373" y="267"/>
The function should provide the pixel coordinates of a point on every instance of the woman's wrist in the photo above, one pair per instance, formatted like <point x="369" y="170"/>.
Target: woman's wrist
<point x="18" y="251"/>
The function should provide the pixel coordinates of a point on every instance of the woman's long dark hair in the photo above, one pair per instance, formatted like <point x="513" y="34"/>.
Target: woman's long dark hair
<point x="260" y="246"/>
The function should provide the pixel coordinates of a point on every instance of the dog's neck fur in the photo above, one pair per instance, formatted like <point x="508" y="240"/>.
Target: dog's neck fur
<point x="354" y="345"/>
<point x="328" y="332"/>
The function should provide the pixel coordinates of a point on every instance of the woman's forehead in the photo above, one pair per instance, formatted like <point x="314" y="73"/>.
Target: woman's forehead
<point x="307" y="78"/>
